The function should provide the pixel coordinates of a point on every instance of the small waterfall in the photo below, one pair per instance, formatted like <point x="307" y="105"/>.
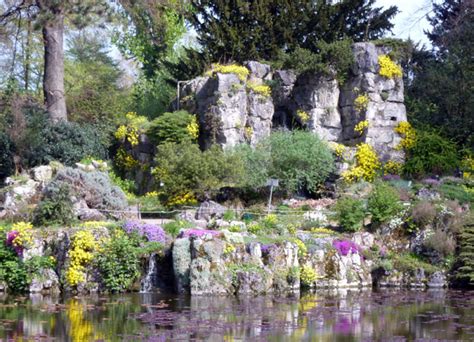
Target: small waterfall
<point x="149" y="281"/>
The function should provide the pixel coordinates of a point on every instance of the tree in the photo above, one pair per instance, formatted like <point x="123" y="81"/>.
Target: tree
<point x="50" y="15"/>
<point x="258" y="29"/>
<point x="440" y="91"/>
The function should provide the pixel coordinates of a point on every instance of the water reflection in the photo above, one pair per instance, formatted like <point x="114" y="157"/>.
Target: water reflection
<point x="322" y="316"/>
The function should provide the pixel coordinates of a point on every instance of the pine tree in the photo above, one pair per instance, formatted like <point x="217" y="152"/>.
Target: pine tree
<point x="466" y="254"/>
<point x="259" y="29"/>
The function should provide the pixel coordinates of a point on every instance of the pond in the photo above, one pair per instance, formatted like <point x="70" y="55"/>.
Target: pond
<point x="387" y="315"/>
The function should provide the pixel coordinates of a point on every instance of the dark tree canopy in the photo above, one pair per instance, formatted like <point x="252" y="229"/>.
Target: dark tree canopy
<point x="259" y="29"/>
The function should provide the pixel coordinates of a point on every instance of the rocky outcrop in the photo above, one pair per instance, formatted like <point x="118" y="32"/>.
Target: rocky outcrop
<point x="230" y="112"/>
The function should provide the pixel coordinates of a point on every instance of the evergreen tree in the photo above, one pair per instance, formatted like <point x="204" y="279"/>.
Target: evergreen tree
<point x="258" y="29"/>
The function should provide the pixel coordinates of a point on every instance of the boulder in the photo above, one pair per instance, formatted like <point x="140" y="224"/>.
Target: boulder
<point x="210" y="209"/>
<point x="42" y="174"/>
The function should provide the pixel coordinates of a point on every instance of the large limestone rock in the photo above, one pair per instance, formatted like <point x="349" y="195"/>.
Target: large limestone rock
<point x="230" y="113"/>
<point x="384" y="110"/>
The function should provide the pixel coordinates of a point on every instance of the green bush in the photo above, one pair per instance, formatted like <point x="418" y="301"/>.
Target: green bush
<point x="383" y="203"/>
<point x="55" y="208"/>
<point x="172" y="128"/>
<point x="6" y="157"/>
<point x="66" y="142"/>
<point x="350" y="212"/>
<point x="174" y="227"/>
<point x="119" y="262"/>
<point x="431" y="154"/>
<point x="184" y="170"/>
<point x="458" y="192"/>
<point x="300" y="160"/>
<point x="12" y="270"/>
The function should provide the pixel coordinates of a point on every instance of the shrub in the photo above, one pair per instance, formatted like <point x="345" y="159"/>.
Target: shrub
<point x="350" y="213"/>
<point x="383" y="203"/>
<point x="457" y="192"/>
<point x="6" y="157"/>
<point x="367" y="164"/>
<point x="308" y="276"/>
<point x="431" y="154"/>
<point x="173" y="228"/>
<point x="66" y="142"/>
<point x="441" y="242"/>
<point x="175" y="127"/>
<point x="423" y="213"/>
<point x="119" y="262"/>
<point x="95" y="188"/>
<point x="55" y="208"/>
<point x="184" y="169"/>
<point x="300" y="160"/>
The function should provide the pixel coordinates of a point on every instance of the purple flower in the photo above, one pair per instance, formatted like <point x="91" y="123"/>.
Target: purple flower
<point x="344" y="247"/>
<point x="198" y="233"/>
<point x="266" y="248"/>
<point x="431" y="182"/>
<point x="11" y="235"/>
<point x="151" y="232"/>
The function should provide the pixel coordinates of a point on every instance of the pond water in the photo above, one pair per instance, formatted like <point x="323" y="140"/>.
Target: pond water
<point x="389" y="315"/>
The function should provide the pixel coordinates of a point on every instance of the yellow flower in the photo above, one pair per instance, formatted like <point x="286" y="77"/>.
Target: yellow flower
<point x="121" y="133"/>
<point x="388" y="68"/>
<point x="260" y="89"/>
<point x="83" y="247"/>
<point x="361" y="102"/>
<point x="241" y="71"/>
<point x="308" y="276"/>
<point x="322" y="231"/>
<point x="361" y="127"/>
<point x="229" y="248"/>
<point x="367" y="164"/>
<point x="338" y="149"/>
<point x="392" y="167"/>
<point x="302" y="116"/>
<point x="24" y="237"/>
<point x="248" y="132"/>
<point x="408" y="134"/>
<point x="182" y="199"/>
<point x="193" y="128"/>
<point x="302" y="249"/>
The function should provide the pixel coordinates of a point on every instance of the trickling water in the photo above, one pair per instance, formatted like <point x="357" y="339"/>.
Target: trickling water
<point x="149" y="281"/>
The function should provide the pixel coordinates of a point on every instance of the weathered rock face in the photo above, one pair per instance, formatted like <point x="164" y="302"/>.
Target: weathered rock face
<point x="385" y="108"/>
<point x="230" y="113"/>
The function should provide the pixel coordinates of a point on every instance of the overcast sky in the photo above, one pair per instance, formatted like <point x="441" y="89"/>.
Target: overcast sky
<point x="411" y="20"/>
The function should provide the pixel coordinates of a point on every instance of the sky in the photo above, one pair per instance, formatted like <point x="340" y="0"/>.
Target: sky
<point x="411" y="19"/>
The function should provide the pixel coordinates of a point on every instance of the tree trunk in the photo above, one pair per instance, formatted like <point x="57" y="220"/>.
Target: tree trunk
<point x="27" y="51"/>
<point x="53" y="80"/>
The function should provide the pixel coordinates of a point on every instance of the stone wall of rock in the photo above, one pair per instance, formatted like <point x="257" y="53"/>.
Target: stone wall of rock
<point x="231" y="113"/>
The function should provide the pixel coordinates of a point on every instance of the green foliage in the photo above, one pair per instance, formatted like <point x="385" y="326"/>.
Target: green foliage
<point x="350" y="213"/>
<point x="12" y="270"/>
<point x="331" y="58"/>
<point x="66" y="142"/>
<point x="465" y="258"/>
<point x="459" y="192"/>
<point x="184" y="168"/>
<point x="171" y="128"/>
<point x="439" y="93"/>
<point x="260" y="29"/>
<point x="410" y="263"/>
<point x="300" y="160"/>
<point x="173" y="228"/>
<point x="431" y="154"/>
<point x="6" y="157"/>
<point x="383" y="203"/>
<point x="119" y="262"/>
<point x="56" y="207"/>
<point x="92" y="81"/>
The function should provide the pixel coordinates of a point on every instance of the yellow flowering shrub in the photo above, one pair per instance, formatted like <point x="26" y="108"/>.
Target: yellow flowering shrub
<point x="367" y="164"/>
<point x="229" y="248"/>
<point x="241" y="71"/>
<point x="337" y="149"/>
<point x="361" y="127"/>
<point x="361" y="102"/>
<point x="248" y="132"/>
<point x="131" y="130"/>
<point x="193" y="128"/>
<point x="467" y="165"/>
<point x="187" y="198"/>
<point x="302" y="249"/>
<point x="322" y="231"/>
<point x="302" y="116"/>
<point x="260" y="89"/>
<point x="24" y="237"/>
<point x="408" y="134"/>
<point x="124" y="160"/>
<point x="308" y="276"/>
<point x="392" y="168"/>
<point x="83" y="247"/>
<point x="270" y="220"/>
<point x="389" y="68"/>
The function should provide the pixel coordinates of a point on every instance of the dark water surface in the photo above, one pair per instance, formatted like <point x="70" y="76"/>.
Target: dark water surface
<point x="391" y="315"/>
